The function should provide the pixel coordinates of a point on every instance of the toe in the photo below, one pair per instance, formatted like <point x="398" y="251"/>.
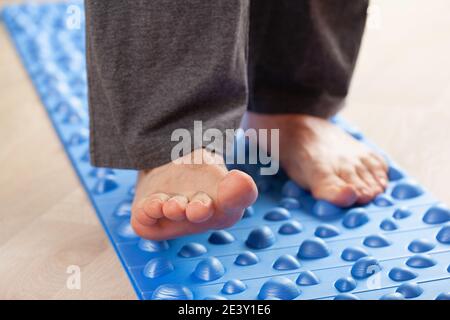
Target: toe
<point x="153" y="232"/>
<point x="328" y="186"/>
<point x="175" y="208"/>
<point x="236" y="191"/>
<point x="374" y="186"/>
<point x="141" y="217"/>
<point x="148" y="209"/>
<point x="380" y="160"/>
<point x="154" y="203"/>
<point x="378" y="169"/>
<point x="200" y="208"/>
<point x="363" y="191"/>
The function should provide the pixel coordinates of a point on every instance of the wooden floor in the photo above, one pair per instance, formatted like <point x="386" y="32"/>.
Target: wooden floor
<point x="400" y="98"/>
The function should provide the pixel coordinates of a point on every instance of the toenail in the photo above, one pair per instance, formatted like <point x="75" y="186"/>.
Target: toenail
<point x="174" y="201"/>
<point x="198" y="201"/>
<point x="155" y="201"/>
<point x="149" y="205"/>
<point x="180" y="202"/>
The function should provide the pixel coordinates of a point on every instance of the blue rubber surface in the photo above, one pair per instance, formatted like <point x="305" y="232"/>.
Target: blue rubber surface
<point x="287" y="246"/>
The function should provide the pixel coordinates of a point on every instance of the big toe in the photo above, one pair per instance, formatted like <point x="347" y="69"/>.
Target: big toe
<point x="235" y="192"/>
<point x="334" y="190"/>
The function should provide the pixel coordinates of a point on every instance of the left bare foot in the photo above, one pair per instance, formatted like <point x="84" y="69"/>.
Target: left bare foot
<point x="177" y="199"/>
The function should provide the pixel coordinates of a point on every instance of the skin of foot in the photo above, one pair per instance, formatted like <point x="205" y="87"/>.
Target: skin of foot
<point x="184" y="197"/>
<point x="324" y="159"/>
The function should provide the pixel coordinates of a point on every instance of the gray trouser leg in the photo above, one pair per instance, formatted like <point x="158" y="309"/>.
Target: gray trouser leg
<point x="156" y="66"/>
<point x="302" y="54"/>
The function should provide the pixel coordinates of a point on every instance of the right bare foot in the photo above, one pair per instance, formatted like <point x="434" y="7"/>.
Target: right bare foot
<point x="178" y="199"/>
<point x="324" y="159"/>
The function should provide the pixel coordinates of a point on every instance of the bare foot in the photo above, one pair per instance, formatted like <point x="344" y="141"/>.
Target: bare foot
<point x="178" y="199"/>
<point x="324" y="159"/>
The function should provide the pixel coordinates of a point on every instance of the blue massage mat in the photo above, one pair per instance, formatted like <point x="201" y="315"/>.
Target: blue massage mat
<point x="287" y="245"/>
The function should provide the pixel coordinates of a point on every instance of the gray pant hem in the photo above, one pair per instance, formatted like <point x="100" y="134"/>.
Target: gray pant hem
<point x="323" y="107"/>
<point x="154" y="155"/>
